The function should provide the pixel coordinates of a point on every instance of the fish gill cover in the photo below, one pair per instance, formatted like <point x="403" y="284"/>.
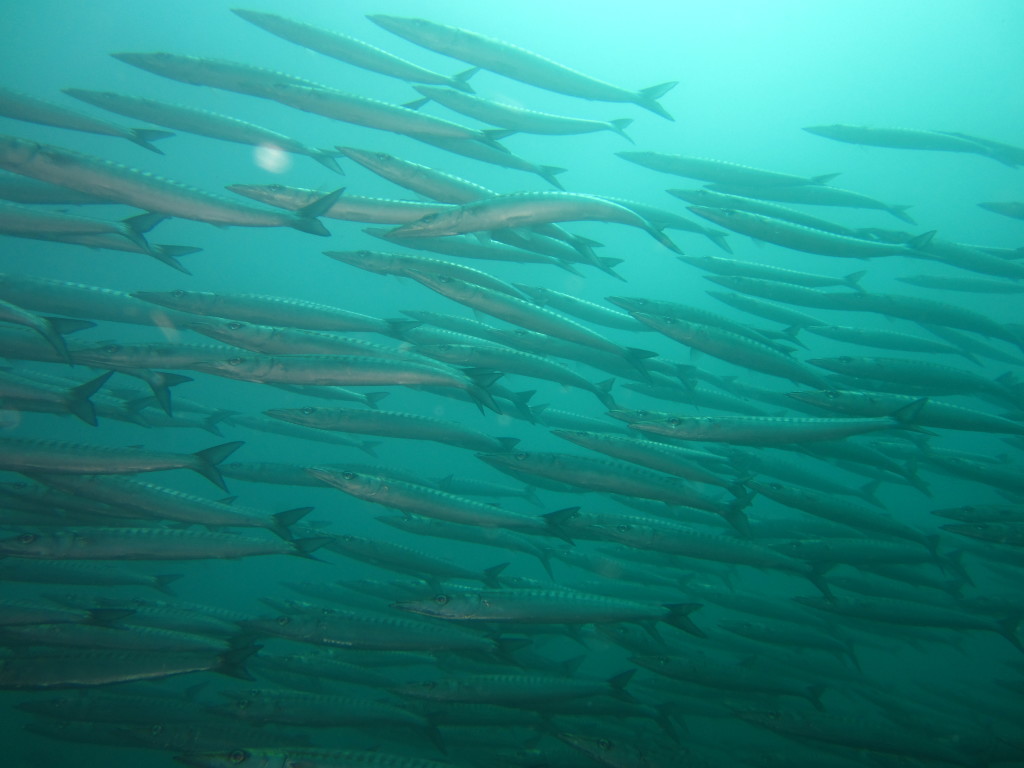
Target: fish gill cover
<point x="504" y="479"/>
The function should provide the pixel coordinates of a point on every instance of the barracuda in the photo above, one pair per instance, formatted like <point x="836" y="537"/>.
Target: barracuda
<point x="720" y="171"/>
<point x="515" y="118"/>
<point x="157" y="194"/>
<point x="517" y="63"/>
<point x="20" y="455"/>
<point x="559" y="606"/>
<point x="410" y="426"/>
<point x="401" y="264"/>
<point x="350" y="50"/>
<point x="21" y="106"/>
<point x="204" y="123"/>
<point x="524" y="209"/>
<point x="349" y="370"/>
<point x="370" y="210"/>
<point x="774" y="430"/>
<point x="429" y="502"/>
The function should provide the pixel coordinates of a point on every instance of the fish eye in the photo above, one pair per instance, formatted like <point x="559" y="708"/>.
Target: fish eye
<point x="348" y="475"/>
<point x="238" y="756"/>
<point x="624" y="528"/>
<point x="845" y="359"/>
<point x="178" y="294"/>
<point x="667" y="320"/>
<point x="674" y="421"/>
<point x="276" y="187"/>
<point x="156" y="730"/>
<point x="284" y="621"/>
<point x="26" y="538"/>
<point x="443" y="279"/>
<point x="110" y="348"/>
<point x="308" y="411"/>
<point x="604" y="744"/>
<point x="775" y="486"/>
<point x="364" y="253"/>
<point x="428" y="218"/>
<point x="522" y="456"/>
<point x="441" y="599"/>
<point x="234" y="325"/>
<point x="382" y="156"/>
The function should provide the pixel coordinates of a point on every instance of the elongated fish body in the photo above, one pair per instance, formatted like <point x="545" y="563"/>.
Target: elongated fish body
<point x="402" y="559"/>
<point x="910" y="613"/>
<point x="718" y="265"/>
<point x="915" y="308"/>
<point x="581" y="308"/>
<point x="1007" y="477"/>
<point x="128" y="638"/>
<point x="314" y="710"/>
<point x="598" y="474"/>
<point x="523" y="209"/>
<point x="488" y="153"/>
<point x="514" y="690"/>
<point x="370" y="113"/>
<point x="513" y="361"/>
<point x="778" y="313"/>
<point x="27" y="191"/>
<point x="41" y="294"/>
<point x="865" y="735"/>
<point x="155" y="355"/>
<point x="350" y="50"/>
<point x="814" y="195"/>
<point x="306" y="758"/>
<point x="342" y="370"/>
<point x="708" y="198"/>
<point x="734" y="677"/>
<point x="733" y="348"/>
<point x="18" y="219"/>
<point x="518" y="119"/>
<point x="169" y="504"/>
<point x="421" y="179"/>
<point x="429" y="502"/>
<point x="517" y="311"/>
<point x="541" y="606"/>
<point x="122" y="184"/>
<point x="959" y="283"/>
<point x="763" y="430"/>
<point x="971" y="258"/>
<point x="838" y="510"/>
<point x="22" y="106"/>
<point x="1006" y="534"/>
<point x="401" y="264"/>
<point x="670" y="459"/>
<point x="881" y="338"/>
<point x="920" y="373"/>
<point x="202" y="123"/>
<point x="718" y="171"/>
<point x="517" y="63"/>
<point x="370" y="210"/>
<point x="934" y="413"/>
<point x="215" y="73"/>
<point x="265" y="310"/>
<point x="70" y="458"/>
<point x="85" y="668"/>
<point x="797" y="236"/>
<point x="410" y="426"/>
<point x="468" y="247"/>
<point x="983" y="513"/>
<point x="146" y="544"/>
<point x="898" y="138"/>
<point x="368" y="631"/>
<point x="1013" y="210"/>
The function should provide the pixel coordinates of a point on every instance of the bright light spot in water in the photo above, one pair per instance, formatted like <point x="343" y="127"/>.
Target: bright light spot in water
<point x="272" y="158"/>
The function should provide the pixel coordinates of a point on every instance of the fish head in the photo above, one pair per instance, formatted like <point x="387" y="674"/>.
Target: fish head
<point x="15" y="152"/>
<point x="416" y="30"/>
<point x="448" y="286"/>
<point x="30" y="544"/>
<point x="230" y="331"/>
<point x="634" y="415"/>
<point x="355" y="483"/>
<point x="242" y="758"/>
<point x="440" y="605"/>
<point x="237" y="367"/>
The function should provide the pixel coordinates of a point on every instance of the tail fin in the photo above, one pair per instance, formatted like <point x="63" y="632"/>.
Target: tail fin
<point x="78" y="398"/>
<point x="162" y="582"/>
<point x="143" y="137"/>
<point x="647" y="98"/>
<point x="459" y="81"/>
<point x="679" y="617"/>
<point x="619" y="126"/>
<point x="306" y="218"/>
<point x="161" y="383"/>
<point x="718" y="238"/>
<point x="900" y="212"/>
<point x="283" y="521"/>
<point x="853" y="280"/>
<point x="548" y="173"/>
<point x="205" y="461"/>
<point x="490" y="575"/>
<point x="326" y="158"/>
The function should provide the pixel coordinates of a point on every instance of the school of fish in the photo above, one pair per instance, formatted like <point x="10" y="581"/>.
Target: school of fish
<point x="741" y="543"/>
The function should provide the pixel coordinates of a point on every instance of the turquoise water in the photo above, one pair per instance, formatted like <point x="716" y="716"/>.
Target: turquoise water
<point x="751" y="75"/>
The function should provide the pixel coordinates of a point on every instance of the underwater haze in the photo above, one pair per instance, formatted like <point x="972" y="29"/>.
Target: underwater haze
<point x="542" y="464"/>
